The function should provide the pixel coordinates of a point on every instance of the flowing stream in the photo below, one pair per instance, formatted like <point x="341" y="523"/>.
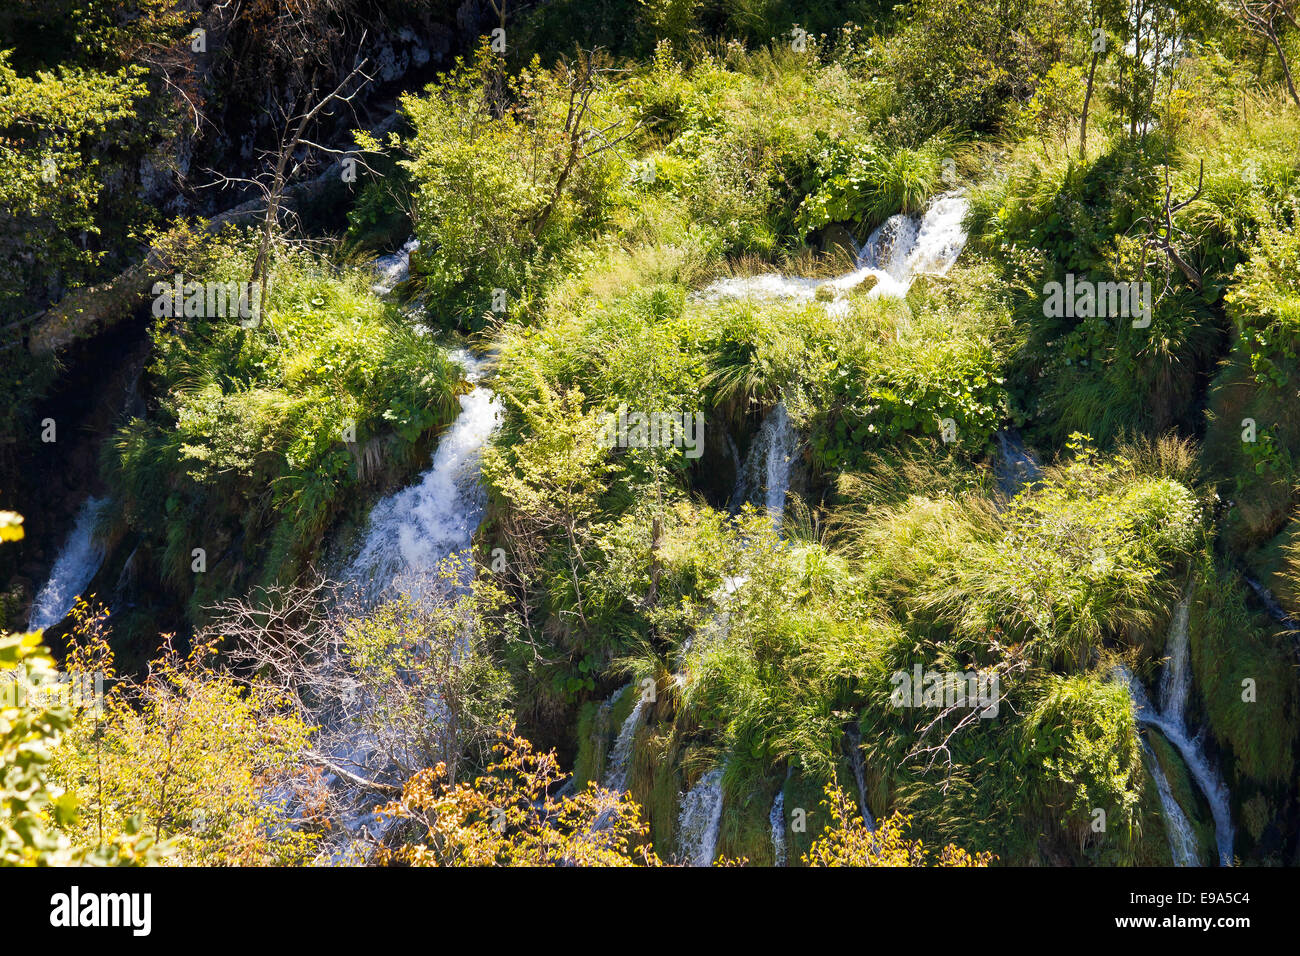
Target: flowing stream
<point x="1170" y="720"/>
<point x="776" y="819"/>
<point x="899" y="250"/>
<point x="765" y="476"/>
<point x="620" y="758"/>
<point x="75" y="566"/>
<point x="411" y="531"/>
<point x="700" y="819"/>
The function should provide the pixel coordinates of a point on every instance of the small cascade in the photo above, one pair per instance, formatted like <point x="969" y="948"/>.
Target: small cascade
<point x="411" y="531"/>
<point x="1182" y="838"/>
<point x="392" y="270"/>
<point x="1017" y="467"/>
<point x="620" y="758"/>
<point x="1176" y="679"/>
<point x="1170" y="720"/>
<point x="765" y="476"/>
<point x="700" y="820"/>
<point x="75" y="566"/>
<point x="900" y="249"/>
<point x="777" y="821"/>
<point x="854" y="738"/>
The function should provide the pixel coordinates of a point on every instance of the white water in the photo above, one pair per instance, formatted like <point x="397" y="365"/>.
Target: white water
<point x="765" y="476"/>
<point x="1182" y="838"/>
<point x="1175" y="684"/>
<point x="411" y="531"/>
<point x="75" y="566"/>
<point x="900" y="249"/>
<point x="700" y="819"/>
<point x="620" y="758"/>
<point x="777" y="821"/>
<point x="394" y="269"/>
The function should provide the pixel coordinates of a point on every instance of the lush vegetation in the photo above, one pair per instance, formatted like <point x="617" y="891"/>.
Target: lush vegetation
<point x="632" y="628"/>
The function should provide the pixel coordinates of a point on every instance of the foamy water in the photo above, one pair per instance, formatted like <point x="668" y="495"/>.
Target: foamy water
<point x="76" y="564"/>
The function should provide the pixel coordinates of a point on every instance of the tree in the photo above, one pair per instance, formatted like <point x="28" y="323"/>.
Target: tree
<point x="848" y="841"/>
<point x="394" y="689"/>
<point x="196" y="757"/>
<point x="511" y="816"/>
<point x="35" y="812"/>
<point x="1260" y="17"/>
<point x="50" y="124"/>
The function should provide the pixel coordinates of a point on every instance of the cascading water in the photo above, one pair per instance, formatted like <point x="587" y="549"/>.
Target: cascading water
<point x="765" y="476"/>
<point x="1170" y="720"/>
<point x="75" y="566"/>
<point x="1017" y="467"/>
<point x="776" y="819"/>
<point x="900" y="249"/>
<point x="620" y="757"/>
<point x="412" y="531"/>
<point x="1182" y="838"/>
<point x="700" y="820"/>
<point x="394" y="269"/>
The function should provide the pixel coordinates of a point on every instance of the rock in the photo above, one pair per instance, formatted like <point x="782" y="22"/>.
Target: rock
<point x="837" y="236"/>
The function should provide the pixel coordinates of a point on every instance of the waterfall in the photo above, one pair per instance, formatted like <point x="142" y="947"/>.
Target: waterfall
<point x="700" y="820"/>
<point x="394" y="269"/>
<point x="621" y="756"/>
<point x="1175" y="684"/>
<point x="414" y="529"/>
<point x="75" y="566"/>
<point x="900" y="249"/>
<point x="777" y="821"/>
<point x="1182" y="838"/>
<point x="1176" y="679"/>
<point x="765" y="476"/>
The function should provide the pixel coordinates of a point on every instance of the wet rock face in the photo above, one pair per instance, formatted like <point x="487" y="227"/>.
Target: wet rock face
<point x="836" y="237"/>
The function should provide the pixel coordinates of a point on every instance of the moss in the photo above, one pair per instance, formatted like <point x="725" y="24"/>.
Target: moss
<point x="746" y="830"/>
<point x="1231" y="644"/>
<point x="655" y="782"/>
<point x="592" y="742"/>
<point x="805" y="816"/>
<point x="598" y="724"/>
<point x="1187" y="795"/>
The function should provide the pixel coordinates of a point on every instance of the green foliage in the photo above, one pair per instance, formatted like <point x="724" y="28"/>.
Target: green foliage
<point x="1229" y="647"/>
<point x="505" y="173"/>
<point x="1083" y="557"/>
<point x="1083" y="736"/>
<point x="263" y="432"/>
<point x="860" y="182"/>
<point x="51" y="125"/>
<point x="36" y="813"/>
